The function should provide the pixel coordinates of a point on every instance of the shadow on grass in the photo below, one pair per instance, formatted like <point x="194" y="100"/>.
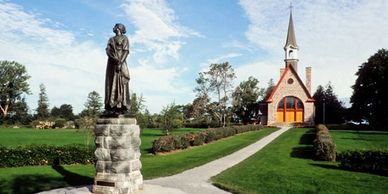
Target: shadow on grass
<point x="71" y="178"/>
<point x="32" y="183"/>
<point x="305" y="148"/>
<point x="305" y="152"/>
<point x="336" y="167"/>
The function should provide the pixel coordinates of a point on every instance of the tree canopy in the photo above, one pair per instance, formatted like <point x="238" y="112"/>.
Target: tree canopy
<point x="13" y="83"/>
<point x="64" y="111"/>
<point x="93" y="105"/>
<point x="370" y="94"/>
<point x="217" y="81"/>
<point x="245" y="98"/>
<point x="328" y="109"/>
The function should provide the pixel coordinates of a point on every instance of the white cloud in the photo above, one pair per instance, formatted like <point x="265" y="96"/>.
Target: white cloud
<point x="69" y="69"/>
<point x="220" y="59"/>
<point x="334" y="37"/>
<point x="157" y="28"/>
<point x="158" y="36"/>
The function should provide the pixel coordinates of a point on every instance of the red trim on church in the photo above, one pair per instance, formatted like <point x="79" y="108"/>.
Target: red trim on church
<point x="289" y="66"/>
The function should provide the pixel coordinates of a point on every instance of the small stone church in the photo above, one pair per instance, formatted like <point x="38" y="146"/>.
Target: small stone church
<point x="290" y="100"/>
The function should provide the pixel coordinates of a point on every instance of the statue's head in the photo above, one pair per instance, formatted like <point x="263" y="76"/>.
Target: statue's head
<point x="120" y="27"/>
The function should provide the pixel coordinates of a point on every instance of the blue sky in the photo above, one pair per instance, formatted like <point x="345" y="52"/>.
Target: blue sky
<point x="62" y="43"/>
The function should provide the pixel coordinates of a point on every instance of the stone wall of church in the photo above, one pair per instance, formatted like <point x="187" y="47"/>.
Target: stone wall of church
<point x="286" y="88"/>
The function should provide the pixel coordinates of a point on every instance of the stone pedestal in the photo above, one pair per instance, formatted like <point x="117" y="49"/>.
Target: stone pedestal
<point x="118" y="156"/>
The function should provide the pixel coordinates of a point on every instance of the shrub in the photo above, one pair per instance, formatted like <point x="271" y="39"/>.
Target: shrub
<point x="45" y="155"/>
<point x="324" y="146"/>
<point x="163" y="144"/>
<point x="59" y="123"/>
<point x="169" y="143"/>
<point x="375" y="161"/>
<point x="43" y="124"/>
<point x="86" y="122"/>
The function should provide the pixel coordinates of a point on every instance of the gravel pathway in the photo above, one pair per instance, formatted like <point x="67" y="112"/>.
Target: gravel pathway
<point x="193" y="181"/>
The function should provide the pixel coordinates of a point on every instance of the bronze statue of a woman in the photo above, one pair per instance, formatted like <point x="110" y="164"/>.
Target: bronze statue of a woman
<point x="117" y="75"/>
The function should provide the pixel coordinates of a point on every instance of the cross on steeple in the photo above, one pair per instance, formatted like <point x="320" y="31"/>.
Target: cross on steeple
<point x="290" y="6"/>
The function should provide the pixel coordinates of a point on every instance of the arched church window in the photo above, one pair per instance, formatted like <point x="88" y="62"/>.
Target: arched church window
<point x="290" y="103"/>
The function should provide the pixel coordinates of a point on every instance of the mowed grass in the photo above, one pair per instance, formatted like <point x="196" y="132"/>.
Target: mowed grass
<point x="353" y="140"/>
<point x="285" y="166"/>
<point x="29" y="179"/>
<point x="15" y="137"/>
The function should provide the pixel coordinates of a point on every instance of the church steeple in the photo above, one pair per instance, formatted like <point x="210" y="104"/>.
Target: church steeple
<point x="291" y="48"/>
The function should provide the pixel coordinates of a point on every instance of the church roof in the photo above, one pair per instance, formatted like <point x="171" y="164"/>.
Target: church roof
<point x="291" y="40"/>
<point x="290" y="68"/>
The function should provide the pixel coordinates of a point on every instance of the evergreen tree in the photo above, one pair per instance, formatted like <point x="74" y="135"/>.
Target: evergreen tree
<point x="328" y="109"/>
<point x="93" y="105"/>
<point x="269" y="89"/>
<point x="42" y="112"/>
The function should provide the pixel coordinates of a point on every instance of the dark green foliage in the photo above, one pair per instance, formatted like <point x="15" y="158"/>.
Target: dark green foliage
<point x="370" y="94"/>
<point x="171" y="118"/>
<point x="245" y="97"/>
<point x="326" y="101"/>
<point x="45" y="155"/>
<point x="374" y="161"/>
<point x="13" y="83"/>
<point x="324" y="146"/>
<point x="170" y="143"/>
<point x="42" y="112"/>
<point x="93" y="105"/>
<point x="59" y="123"/>
<point x="65" y="111"/>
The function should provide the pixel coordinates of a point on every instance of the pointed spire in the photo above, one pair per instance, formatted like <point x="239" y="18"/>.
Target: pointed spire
<point x="291" y="40"/>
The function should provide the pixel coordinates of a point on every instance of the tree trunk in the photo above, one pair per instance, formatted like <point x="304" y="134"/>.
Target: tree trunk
<point x="4" y="110"/>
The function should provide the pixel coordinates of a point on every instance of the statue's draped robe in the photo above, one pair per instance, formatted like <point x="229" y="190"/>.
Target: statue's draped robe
<point x="117" y="74"/>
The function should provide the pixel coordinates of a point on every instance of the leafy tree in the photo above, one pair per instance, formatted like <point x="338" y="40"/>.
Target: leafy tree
<point x="328" y="109"/>
<point x="64" y="111"/>
<point x="42" y="112"/>
<point x="93" y="105"/>
<point x="370" y="94"/>
<point x="197" y="109"/>
<point x="171" y="118"/>
<point x="137" y="103"/>
<point x="218" y="81"/>
<point x="13" y="83"/>
<point x="19" y="113"/>
<point x="245" y="98"/>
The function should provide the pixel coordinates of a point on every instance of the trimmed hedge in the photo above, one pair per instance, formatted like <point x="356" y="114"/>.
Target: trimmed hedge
<point x="375" y="161"/>
<point x="45" y="155"/>
<point x="324" y="146"/>
<point x="170" y="143"/>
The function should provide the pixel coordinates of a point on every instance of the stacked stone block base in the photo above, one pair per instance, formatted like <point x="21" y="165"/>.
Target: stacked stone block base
<point x="118" y="156"/>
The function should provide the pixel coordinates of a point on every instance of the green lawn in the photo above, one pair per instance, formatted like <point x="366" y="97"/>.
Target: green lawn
<point x="15" y="137"/>
<point x="37" y="178"/>
<point x="352" y="140"/>
<point x="284" y="166"/>
<point x="23" y="136"/>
